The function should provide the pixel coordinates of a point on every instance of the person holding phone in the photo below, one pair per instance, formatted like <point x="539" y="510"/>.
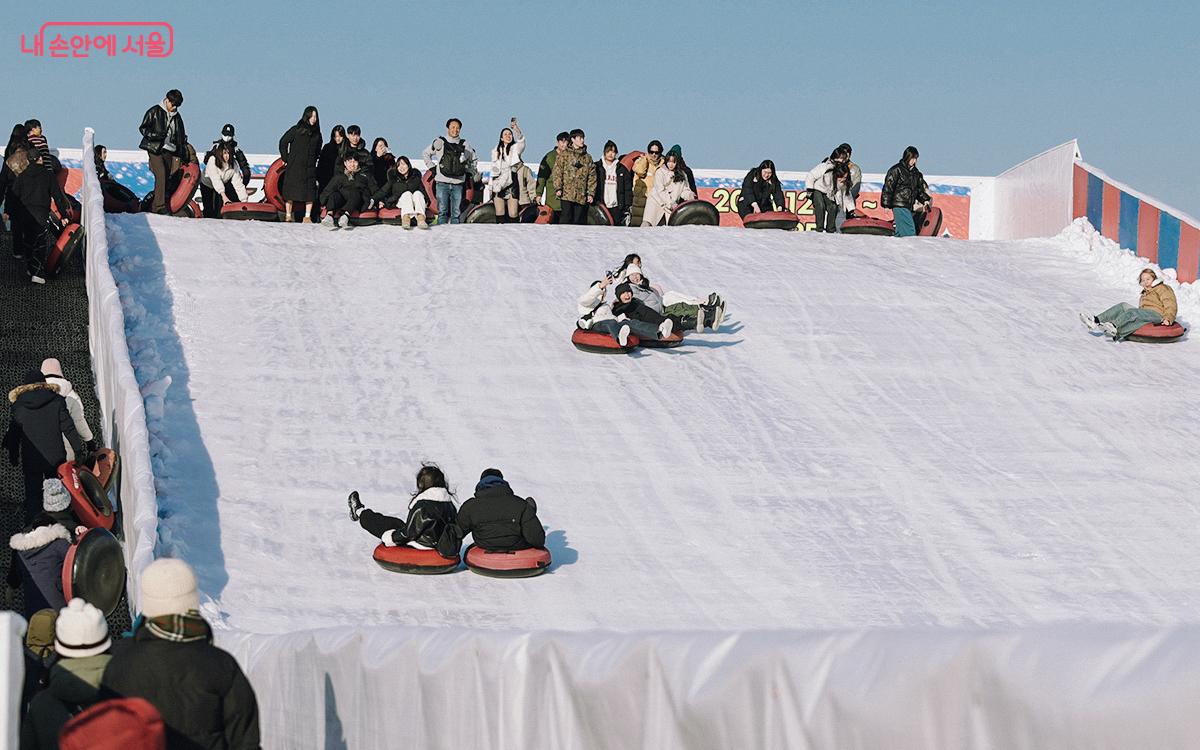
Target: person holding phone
<point x="506" y="173"/>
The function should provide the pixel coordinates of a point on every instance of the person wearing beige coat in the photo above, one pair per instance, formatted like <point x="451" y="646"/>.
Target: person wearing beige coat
<point x="1156" y="306"/>
<point x="670" y="188"/>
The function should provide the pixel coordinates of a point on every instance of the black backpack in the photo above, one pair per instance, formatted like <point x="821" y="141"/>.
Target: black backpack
<point x="451" y="164"/>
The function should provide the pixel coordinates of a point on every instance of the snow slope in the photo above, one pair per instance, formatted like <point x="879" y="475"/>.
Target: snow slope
<point x="885" y="432"/>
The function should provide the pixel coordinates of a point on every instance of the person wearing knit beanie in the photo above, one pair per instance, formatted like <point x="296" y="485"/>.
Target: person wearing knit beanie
<point x="169" y="588"/>
<point x="80" y="630"/>
<point x="55" y="498"/>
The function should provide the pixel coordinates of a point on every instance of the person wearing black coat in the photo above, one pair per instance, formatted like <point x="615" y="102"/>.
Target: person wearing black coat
<point x="628" y="306"/>
<point x="761" y="191"/>
<point x="499" y="520"/>
<point x="164" y="139"/>
<point x="34" y="439"/>
<point x="299" y="148"/>
<point x="32" y="187"/>
<point x="405" y="189"/>
<point x="42" y="546"/>
<point x="614" y="185"/>
<point x="348" y="192"/>
<point x="202" y="694"/>
<point x="905" y="192"/>
<point x="432" y="511"/>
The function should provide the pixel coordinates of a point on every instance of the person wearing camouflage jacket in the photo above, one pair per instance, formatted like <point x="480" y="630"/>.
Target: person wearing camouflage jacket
<point x="575" y="180"/>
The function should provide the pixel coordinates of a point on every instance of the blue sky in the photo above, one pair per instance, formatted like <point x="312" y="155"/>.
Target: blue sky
<point x="977" y="87"/>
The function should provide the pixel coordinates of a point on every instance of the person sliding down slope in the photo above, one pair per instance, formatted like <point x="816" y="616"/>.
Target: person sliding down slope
<point x="687" y="314"/>
<point x="627" y="308"/>
<point x="499" y="520"/>
<point x="666" y="301"/>
<point x="431" y="515"/>
<point x="1156" y="306"/>
<point x="596" y="314"/>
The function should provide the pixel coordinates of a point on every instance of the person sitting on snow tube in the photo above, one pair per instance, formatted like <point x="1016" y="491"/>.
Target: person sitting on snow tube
<point x="633" y="261"/>
<point x="1157" y="306"/>
<point x="686" y="314"/>
<point x="221" y="179"/>
<point x="42" y="547"/>
<point x="405" y="190"/>
<point x="627" y="307"/>
<point x="670" y="188"/>
<point x="349" y="191"/>
<point x="905" y="192"/>
<point x="431" y="516"/>
<point x="595" y="314"/>
<point x="100" y="154"/>
<point x="499" y="520"/>
<point x="761" y="191"/>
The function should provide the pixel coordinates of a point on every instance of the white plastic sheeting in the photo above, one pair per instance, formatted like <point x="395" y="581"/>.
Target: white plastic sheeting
<point x="122" y="412"/>
<point x="12" y="664"/>
<point x="1084" y="687"/>
<point x="1033" y="199"/>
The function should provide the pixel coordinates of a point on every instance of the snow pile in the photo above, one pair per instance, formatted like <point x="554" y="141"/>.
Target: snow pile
<point x="1121" y="267"/>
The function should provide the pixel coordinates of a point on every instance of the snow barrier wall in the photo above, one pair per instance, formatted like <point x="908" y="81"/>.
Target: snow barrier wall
<point x="122" y="410"/>
<point x="1138" y="223"/>
<point x="12" y="664"/>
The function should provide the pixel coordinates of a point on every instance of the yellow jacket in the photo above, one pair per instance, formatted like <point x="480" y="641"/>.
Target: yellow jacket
<point x="1161" y="299"/>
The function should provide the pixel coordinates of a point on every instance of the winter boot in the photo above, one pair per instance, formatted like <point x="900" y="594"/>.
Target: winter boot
<point x="287" y="211"/>
<point x="701" y="315"/>
<point x="421" y="223"/>
<point x="720" y="315"/>
<point x="1110" y="329"/>
<point x="356" y="506"/>
<point x="1092" y="323"/>
<point x="406" y="221"/>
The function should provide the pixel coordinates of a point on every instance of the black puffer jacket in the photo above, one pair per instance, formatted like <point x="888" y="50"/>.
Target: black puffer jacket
<point x="360" y="182"/>
<point x="39" y="421"/>
<point x="35" y="188"/>
<point x="624" y="185"/>
<point x="902" y="187"/>
<point x="637" y="310"/>
<point x="299" y="148"/>
<point x="203" y="696"/>
<point x="757" y="190"/>
<point x="500" y="521"/>
<point x="42" y="547"/>
<point x="431" y="517"/>
<point x="157" y="125"/>
<point x="365" y="162"/>
<point x="397" y="186"/>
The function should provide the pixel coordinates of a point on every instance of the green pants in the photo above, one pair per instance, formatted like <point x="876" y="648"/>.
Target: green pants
<point x="1128" y="318"/>
<point x="682" y="310"/>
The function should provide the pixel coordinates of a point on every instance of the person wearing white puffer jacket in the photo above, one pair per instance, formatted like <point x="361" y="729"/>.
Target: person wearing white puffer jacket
<point x="596" y="314"/>
<point x="506" y="166"/>
<point x="52" y="370"/>
<point x="221" y="175"/>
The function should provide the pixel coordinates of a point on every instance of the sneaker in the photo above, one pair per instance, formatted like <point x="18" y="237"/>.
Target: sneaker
<point x="712" y="299"/>
<point x="701" y="314"/>
<point x="1090" y="321"/>
<point x="337" y="222"/>
<point x="328" y="221"/>
<point x="720" y="316"/>
<point x="666" y="329"/>
<point x="1109" y="328"/>
<point x="356" y="506"/>
<point x="583" y="324"/>
<point x="421" y="223"/>
<point x="623" y="335"/>
<point x="37" y="279"/>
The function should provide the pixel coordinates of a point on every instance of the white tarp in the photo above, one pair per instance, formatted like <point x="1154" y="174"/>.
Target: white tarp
<point x="12" y="664"/>
<point x="122" y="412"/>
<point x="1033" y="199"/>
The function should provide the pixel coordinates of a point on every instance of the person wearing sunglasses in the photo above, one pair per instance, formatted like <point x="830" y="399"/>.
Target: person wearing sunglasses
<point x="644" y="168"/>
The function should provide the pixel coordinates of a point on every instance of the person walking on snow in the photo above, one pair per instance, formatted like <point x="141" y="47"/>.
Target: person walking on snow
<point x="52" y="370"/>
<point x="39" y="421"/>
<point x="1156" y="306"/>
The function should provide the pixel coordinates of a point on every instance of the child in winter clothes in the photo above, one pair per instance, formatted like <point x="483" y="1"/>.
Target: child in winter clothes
<point x="431" y="513"/>
<point x="82" y="644"/>
<point x="597" y="315"/>
<point x="52" y="370"/>
<point x="1156" y="306"/>
<point x="42" y="547"/>
<point x="506" y="171"/>
<point x="498" y="519"/>
<point x="669" y="190"/>
<point x="40" y="419"/>
<point x="348" y="192"/>
<point x="575" y="180"/>
<point x="405" y="190"/>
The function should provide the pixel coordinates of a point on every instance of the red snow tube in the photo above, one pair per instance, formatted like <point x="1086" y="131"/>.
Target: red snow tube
<point x="115" y="724"/>
<point x="697" y="211"/>
<point x="186" y="189"/>
<point x="599" y="216"/>
<point x="389" y="216"/>
<point x="65" y="247"/>
<point x="88" y="499"/>
<point x="363" y="218"/>
<point x="601" y="343"/>
<point x="869" y="225"/>
<point x="524" y="563"/>
<point x="628" y="159"/>
<point x="1153" y="333"/>
<point x="262" y="211"/>
<point x="670" y="342"/>
<point x="119" y="199"/>
<point x="411" y="560"/>
<point x="771" y="220"/>
<point x="190" y="210"/>
<point x="271" y="183"/>
<point x="931" y="223"/>
<point x="94" y="570"/>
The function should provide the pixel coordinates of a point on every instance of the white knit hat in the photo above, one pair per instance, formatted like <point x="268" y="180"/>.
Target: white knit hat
<point x="55" y="497"/>
<point x="169" y="588"/>
<point x="51" y="366"/>
<point x="632" y="269"/>
<point x="80" y="630"/>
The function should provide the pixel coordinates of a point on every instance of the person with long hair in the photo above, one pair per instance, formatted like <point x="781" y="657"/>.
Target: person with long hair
<point x="222" y="175"/>
<point x="428" y="524"/>
<point x="381" y="160"/>
<point x="614" y="185"/>
<point x="404" y="189"/>
<point x="1156" y="306"/>
<point x="670" y="188"/>
<point x="831" y="194"/>
<point x="506" y="173"/>
<point x="299" y="148"/>
<point x="761" y="191"/>
<point x="645" y="167"/>
<point x="905" y="192"/>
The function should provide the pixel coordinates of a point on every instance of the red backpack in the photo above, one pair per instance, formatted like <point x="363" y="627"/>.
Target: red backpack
<point x="119" y="724"/>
